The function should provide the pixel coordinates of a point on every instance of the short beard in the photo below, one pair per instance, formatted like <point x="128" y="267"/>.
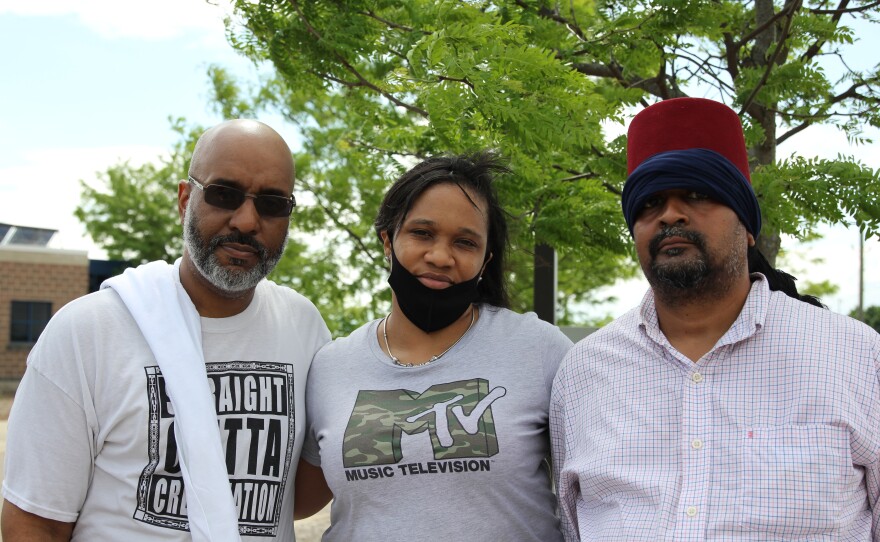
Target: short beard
<point x="681" y="275"/>
<point x="697" y="279"/>
<point x="228" y="281"/>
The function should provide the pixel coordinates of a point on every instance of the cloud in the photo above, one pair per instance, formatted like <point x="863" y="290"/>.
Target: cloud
<point x="44" y="191"/>
<point x="153" y="20"/>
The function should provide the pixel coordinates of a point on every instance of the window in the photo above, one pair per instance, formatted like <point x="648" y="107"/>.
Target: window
<point x="31" y="236"/>
<point x="28" y="320"/>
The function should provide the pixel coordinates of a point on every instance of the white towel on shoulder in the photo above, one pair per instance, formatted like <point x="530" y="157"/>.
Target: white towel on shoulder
<point x="170" y="323"/>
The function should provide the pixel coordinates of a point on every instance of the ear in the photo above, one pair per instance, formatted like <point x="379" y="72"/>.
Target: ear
<point x="485" y="263"/>
<point x="751" y="239"/>
<point x="184" y="190"/>
<point x="386" y="244"/>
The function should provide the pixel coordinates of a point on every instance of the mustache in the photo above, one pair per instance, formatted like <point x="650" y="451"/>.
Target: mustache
<point x="242" y="239"/>
<point x="675" y="231"/>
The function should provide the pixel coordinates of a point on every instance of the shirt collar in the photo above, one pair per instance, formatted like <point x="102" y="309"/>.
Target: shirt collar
<point x="750" y="320"/>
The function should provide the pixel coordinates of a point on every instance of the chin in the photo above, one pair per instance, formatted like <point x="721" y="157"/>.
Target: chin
<point x="238" y="264"/>
<point x="433" y="285"/>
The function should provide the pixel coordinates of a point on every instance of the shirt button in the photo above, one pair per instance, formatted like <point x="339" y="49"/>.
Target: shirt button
<point x="697" y="378"/>
<point x="691" y="511"/>
<point x="696" y="444"/>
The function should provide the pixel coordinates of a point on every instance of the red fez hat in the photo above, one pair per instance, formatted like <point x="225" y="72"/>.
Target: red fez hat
<point x="686" y="123"/>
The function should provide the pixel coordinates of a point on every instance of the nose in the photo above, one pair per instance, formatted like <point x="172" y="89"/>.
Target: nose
<point x="439" y="255"/>
<point x="245" y="219"/>
<point x="673" y="212"/>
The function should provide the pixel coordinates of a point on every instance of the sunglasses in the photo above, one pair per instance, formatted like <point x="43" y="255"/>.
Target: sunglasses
<point x="226" y="197"/>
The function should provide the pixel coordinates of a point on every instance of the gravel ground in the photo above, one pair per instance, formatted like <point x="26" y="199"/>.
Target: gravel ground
<point x="311" y="529"/>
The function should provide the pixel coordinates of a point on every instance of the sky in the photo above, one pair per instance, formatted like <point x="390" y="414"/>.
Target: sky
<point x="86" y="84"/>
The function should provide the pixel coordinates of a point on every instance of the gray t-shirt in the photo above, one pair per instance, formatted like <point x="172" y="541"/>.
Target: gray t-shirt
<point x="452" y="450"/>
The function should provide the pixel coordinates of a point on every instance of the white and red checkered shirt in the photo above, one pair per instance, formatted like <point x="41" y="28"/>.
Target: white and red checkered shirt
<point x="773" y="435"/>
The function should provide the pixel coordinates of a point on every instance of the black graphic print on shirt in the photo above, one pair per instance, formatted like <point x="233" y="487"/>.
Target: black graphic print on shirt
<point x="254" y="402"/>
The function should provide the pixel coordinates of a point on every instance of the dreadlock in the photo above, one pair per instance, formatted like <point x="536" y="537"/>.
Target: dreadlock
<point x="777" y="279"/>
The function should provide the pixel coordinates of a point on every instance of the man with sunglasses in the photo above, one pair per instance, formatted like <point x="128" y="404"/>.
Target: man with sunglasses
<point x="169" y="405"/>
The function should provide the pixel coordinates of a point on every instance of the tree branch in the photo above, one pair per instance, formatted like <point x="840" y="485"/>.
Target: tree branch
<point x="731" y="54"/>
<point x="760" y="30"/>
<point x="388" y="152"/>
<point x="554" y="15"/>
<point x="611" y="189"/>
<point x="794" y="6"/>
<point x="359" y="243"/>
<point x="351" y="69"/>
<point x="796" y="130"/>
<point x="701" y="65"/>
<point x="389" y="24"/>
<point x="851" y="92"/>
<point x="333" y="78"/>
<point x="588" y="175"/>
<point x="650" y="85"/>
<point x="456" y="80"/>
<point x="655" y="86"/>
<point x="578" y="177"/>
<point x="812" y="50"/>
<point x="841" y="11"/>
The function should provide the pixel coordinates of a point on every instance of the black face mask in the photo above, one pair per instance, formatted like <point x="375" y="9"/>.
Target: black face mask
<point x="427" y="308"/>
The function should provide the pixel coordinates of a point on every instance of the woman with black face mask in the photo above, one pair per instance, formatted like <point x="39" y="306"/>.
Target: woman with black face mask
<point x="431" y="422"/>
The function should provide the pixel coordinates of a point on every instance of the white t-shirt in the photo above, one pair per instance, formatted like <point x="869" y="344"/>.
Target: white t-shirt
<point x="91" y="436"/>
<point x="452" y="450"/>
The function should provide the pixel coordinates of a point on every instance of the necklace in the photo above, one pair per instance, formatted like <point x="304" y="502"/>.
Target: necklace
<point x="433" y="358"/>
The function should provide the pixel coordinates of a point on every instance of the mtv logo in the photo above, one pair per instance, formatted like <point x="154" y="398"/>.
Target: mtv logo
<point x="456" y="415"/>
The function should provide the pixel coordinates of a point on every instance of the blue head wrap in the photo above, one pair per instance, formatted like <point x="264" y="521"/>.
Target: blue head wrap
<point x="701" y="170"/>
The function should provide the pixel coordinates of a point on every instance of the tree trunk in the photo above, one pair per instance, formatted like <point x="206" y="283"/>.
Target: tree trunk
<point x="764" y="153"/>
<point x="768" y="243"/>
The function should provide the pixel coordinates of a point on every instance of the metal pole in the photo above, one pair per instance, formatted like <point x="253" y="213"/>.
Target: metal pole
<point x="544" y="298"/>
<point x="860" y="313"/>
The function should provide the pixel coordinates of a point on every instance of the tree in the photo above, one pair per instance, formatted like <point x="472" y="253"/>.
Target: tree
<point x="821" y="289"/>
<point x="374" y="85"/>
<point x="779" y="63"/>
<point x="871" y="316"/>
<point x="133" y="216"/>
<point x="364" y="122"/>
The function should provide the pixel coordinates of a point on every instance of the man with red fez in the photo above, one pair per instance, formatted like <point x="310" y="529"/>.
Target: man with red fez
<point x="725" y="406"/>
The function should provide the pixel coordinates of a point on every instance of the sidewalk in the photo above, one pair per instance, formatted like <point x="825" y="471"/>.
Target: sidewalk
<point x="307" y="530"/>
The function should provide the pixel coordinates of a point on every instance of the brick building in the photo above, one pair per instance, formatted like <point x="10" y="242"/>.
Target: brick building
<point x="35" y="281"/>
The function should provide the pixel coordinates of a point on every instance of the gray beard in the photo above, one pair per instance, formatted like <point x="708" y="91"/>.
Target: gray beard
<point x="683" y="275"/>
<point x="233" y="282"/>
<point x="696" y="280"/>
